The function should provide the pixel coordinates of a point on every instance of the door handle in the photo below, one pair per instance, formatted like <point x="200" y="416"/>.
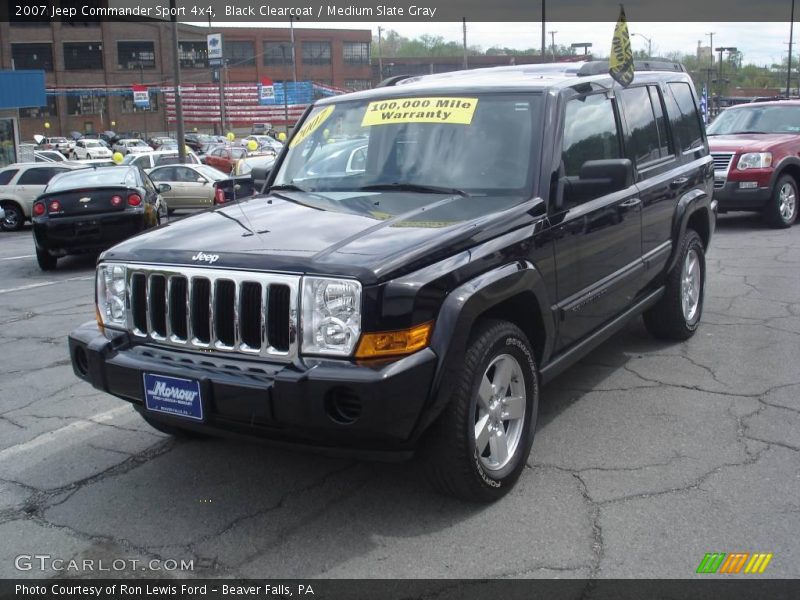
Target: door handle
<point x="676" y="183"/>
<point x="631" y="203"/>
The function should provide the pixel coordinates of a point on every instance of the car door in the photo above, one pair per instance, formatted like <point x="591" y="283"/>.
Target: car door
<point x="175" y="197"/>
<point x="32" y="182"/>
<point x="197" y="191"/>
<point x="595" y="219"/>
<point x="659" y="175"/>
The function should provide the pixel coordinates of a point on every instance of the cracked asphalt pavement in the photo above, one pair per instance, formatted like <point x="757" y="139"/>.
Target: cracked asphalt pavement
<point x="647" y="456"/>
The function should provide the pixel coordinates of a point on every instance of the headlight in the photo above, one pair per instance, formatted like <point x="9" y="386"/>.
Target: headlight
<point x="755" y="160"/>
<point x="331" y="315"/>
<point x="111" y="295"/>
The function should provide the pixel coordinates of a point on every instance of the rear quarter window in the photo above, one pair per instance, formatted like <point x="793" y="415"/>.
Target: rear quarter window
<point x="684" y="117"/>
<point x="7" y="175"/>
<point x="37" y="176"/>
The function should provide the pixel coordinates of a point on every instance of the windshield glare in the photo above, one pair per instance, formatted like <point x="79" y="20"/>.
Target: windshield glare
<point x="479" y="143"/>
<point x="761" y="119"/>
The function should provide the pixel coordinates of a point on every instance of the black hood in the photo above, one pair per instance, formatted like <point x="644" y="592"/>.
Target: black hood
<point x="371" y="236"/>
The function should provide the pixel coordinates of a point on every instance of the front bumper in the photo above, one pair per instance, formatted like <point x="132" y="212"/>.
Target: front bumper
<point x="287" y="404"/>
<point x="733" y="197"/>
<point x="90" y="233"/>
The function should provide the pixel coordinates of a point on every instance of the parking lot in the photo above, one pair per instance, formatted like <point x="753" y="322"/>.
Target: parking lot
<point x="648" y="455"/>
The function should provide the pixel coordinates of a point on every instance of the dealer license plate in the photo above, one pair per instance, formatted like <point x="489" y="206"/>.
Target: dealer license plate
<point x="173" y="396"/>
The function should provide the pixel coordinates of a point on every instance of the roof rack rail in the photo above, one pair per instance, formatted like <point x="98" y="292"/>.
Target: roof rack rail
<point x="600" y="67"/>
<point x="390" y="81"/>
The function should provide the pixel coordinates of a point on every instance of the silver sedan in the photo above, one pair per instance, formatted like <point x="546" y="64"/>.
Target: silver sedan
<point x="193" y="186"/>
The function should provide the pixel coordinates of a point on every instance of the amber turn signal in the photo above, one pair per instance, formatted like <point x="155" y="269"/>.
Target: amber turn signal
<point x="394" y="343"/>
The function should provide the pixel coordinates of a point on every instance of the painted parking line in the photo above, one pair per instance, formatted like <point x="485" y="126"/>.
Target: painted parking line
<point x="56" y="435"/>
<point x="18" y="257"/>
<point x="44" y="284"/>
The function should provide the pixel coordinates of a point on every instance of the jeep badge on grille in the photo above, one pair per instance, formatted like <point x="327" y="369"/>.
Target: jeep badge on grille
<point x="203" y="257"/>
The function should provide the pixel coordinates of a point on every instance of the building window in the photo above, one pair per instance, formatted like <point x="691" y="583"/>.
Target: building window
<point x="83" y="55"/>
<point x="32" y="56"/>
<point x="135" y="55"/>
<point x="193" y="55"/>
<point x="277" y="53"/>
<point x="239" y="54"/>
<point x="356" y="53"/>
<point x="316" y="53"/>
<point x="86" y="105"/>
<point x="358" y="84"/>
<point x="41" y="112"/>
<point x="127" y="105"/>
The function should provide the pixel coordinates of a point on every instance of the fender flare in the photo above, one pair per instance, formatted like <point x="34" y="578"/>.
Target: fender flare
<point x="690" y="203"/>
<point x="780" y="170"/>
<point x="459" y="313"/>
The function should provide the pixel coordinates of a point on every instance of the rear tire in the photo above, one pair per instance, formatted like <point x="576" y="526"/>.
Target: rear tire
<point x="781" y="211"/>
<point x="477" y="449"/>
<point x="47" y="262"/>
<point x="677" y="314"/>
<point x="14" y="219"/>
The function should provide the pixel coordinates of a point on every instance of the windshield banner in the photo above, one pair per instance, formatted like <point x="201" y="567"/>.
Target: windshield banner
<point x="457" y="111"/>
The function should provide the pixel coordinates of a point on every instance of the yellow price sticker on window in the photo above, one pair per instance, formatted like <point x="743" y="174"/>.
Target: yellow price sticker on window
<point x="458" y="111"/>
<point x="311" y="125"/>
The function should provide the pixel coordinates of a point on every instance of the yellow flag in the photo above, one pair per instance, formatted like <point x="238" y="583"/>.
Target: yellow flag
<point x="621" y="60"/>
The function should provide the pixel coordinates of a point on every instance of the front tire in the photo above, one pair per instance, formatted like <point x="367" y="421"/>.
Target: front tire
<point x="677" y="314"/>
<point x="477" y="449"/>
<point x="781" y="211"/>
<point x="47" y="262"/>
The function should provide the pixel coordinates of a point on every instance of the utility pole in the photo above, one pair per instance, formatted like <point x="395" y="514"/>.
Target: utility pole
<point x="464" y="22"/>
<point x="380" y="57"/>
<point x="141" y="82"/>
<point x="176" y="67"/>
<point x="294" y="61"/>
<point x="791" y="41"/>
<point x="553" y="45"/>
<point x="285" y="94"/>
<point x="710" y="35"/>
<point x="544" y="37"/>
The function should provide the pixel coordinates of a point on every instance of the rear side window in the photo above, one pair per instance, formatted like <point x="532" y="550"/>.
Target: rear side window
<point x="643" y="142"/>
<point x="590" y="132"/>
<point x="7" y="175"/>
<point x="686" y="120"/>
<point x="142" y="161"/>
<point x="38" y="176"/>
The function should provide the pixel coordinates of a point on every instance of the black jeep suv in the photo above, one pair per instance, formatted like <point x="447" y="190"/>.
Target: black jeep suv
<point x="427" y="255"/>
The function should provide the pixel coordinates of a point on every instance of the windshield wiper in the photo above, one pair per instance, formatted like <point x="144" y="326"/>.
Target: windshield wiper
<point x="287" y="187"/>
<point x="413" y="187"/>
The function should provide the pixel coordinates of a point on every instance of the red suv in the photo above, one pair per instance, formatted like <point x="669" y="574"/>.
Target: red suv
<point x="756" y="150"/>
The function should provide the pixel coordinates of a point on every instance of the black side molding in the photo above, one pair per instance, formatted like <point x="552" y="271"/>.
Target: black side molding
<point x="573" y="354"/>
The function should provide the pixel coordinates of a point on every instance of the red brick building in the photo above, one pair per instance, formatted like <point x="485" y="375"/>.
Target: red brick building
<point x="91" y="66"/>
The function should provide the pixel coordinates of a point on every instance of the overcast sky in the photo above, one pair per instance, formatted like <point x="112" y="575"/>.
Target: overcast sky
<point x="761" y="43"/>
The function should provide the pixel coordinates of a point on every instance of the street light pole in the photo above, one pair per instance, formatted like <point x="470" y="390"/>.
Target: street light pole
<point x="649" y="44"/>
<point x="380" y="57"/>
<point x="285" y="95"/>
<point x="146" y="108"/>
<point x="176" y="67"/>
<point x="553" y="45"/>
<point x="789" y="66"/>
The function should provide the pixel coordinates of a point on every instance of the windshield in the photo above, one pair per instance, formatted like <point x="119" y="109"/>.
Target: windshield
<point x="91" y="144"/>
<point x="479" y="143"/>
<point x="136" y="143"/>
<point x="757" y="119"/>
<point x="88" y="178"/>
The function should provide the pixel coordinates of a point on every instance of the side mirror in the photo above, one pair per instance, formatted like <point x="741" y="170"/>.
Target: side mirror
<point x="164" y="188"/>
<point x="611" y="175"/>
<point x="202" y="180"/>
<point x="597" y="178"/>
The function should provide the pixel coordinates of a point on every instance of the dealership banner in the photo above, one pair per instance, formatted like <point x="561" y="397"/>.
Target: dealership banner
<point x="141" y="96"/>
<point x="278" y="12"/>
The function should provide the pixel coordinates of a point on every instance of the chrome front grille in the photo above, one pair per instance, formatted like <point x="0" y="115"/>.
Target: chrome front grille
<point x="214" y="309"/>
<point x="722" y="164"/>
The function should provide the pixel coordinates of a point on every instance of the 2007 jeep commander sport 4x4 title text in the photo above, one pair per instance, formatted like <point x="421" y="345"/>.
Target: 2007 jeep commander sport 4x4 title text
<point x="426" y="255"/>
